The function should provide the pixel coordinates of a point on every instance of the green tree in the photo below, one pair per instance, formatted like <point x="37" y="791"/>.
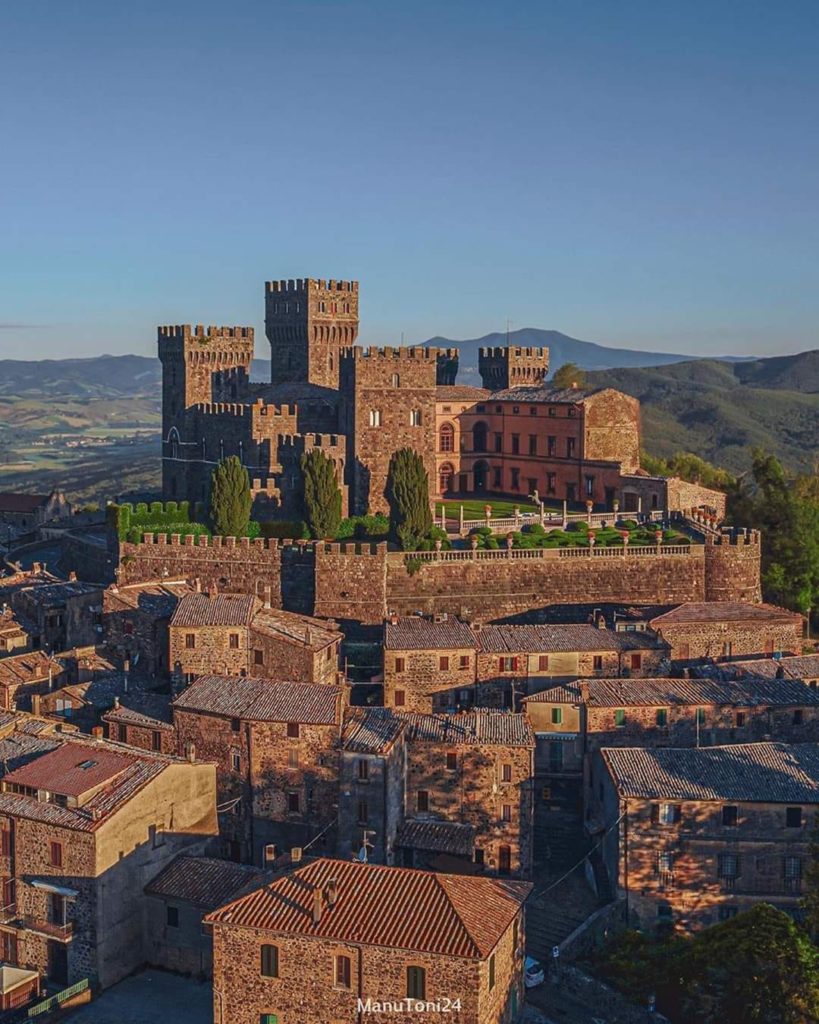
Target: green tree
<point x="758" y="967"/>
<point x="408" y="496"/>
<point x="230" y="498"/>
<point x="569" y="375"/>
<point x="322" y="495"/>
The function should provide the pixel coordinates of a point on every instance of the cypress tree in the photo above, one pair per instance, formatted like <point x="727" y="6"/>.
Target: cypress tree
<point x="230" y="498"/>
<point x="322" y="495"/>
<point x="408" y="496"/>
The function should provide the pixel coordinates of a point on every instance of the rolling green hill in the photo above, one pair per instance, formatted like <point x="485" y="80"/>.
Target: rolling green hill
<point x="721" y="410"/>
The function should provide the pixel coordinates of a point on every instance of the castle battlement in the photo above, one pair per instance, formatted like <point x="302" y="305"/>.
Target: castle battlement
<point x="414" y="352"/>
<point x="517" y="351"/>
<point x="306" y="441"/>
<point x="202" y="334"/>
<point x="300" y="285"/>
<point x="222" y="408"/>
<point x="262" y="408"/>
<point x="378" y="548"/>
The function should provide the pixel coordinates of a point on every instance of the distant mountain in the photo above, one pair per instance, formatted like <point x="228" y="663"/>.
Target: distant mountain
<point x="722" y="410"/>
<point x="562" y="349"/>
<point x="97" y="377"/>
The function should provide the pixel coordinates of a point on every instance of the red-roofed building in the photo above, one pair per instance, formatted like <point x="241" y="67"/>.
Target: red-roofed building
<point x="318" y="944"/>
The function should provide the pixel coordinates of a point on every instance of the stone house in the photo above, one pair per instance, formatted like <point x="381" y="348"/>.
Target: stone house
<point x="238" y="634"/>
<point x="694" y="836"/>
<point x="25" y="512"/>
<point x="429" y="664"/>
<point x="317" y="944"/>
<point x="276" y="748"/>
<point x="136" y="619"/>
<point x="24" y="675"/>
<point x="372" y="773"/>
<point x="721" y="630"/>
<point x="63" y="614"/>
<point x="178" y="899"/>
<point x="15" y="633"/>
<point x="443" y="664"/>
<point x="474" y="768"/>
<point x="142" y="719"/>
<point x="804" y="667"/>
<point x="574" y="720"/>
<point x="82" y="823"/>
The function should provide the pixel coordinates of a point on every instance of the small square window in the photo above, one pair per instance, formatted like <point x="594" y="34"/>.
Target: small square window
<point x="543" y="662"/>
<point x="363" y="770"/>
<point x="464" y="661"/>
<point x="190" y="641"/>
<point x="293" y="803"/>
<point x="400" y="698"/>
<point x="730" y="815"/>
<point x="506" y="812"/>
<point x="443" y="662"/>
<point x="451" y="760"/>
<point x="662" y="717"/>
<point x="258" y="657"/>
<point x="172" y="917"/>
<point x="620" y="718"/>
<point x="557" y="716"/>
<point x="400" y="664"/>
<point x="293" y="730"/>
<point x="598" y="662"/>
<point x="506" y="773"/>
<point x="422" y="800"/>
<point x="56" y="854"/>
<point x="793" y="817"/>
<point x="234" y="641"/>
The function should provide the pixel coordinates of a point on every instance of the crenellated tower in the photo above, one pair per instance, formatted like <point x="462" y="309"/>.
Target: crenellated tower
<point x="307" y="322"/>
<point x="513" y="366"/>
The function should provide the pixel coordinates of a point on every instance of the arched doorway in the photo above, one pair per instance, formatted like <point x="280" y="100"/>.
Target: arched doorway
<point x="445" y="474"/>
<point x="480" y="475"/>
<point x="479" y="435"/>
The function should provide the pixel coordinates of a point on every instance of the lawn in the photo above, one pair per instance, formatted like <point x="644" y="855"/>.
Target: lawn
<point x="474" y="507"/>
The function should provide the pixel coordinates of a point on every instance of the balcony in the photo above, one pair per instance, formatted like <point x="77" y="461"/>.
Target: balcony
<point x="12" y="918"/>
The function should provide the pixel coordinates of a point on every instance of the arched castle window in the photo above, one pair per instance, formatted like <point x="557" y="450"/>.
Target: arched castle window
<point x="446" y="438"/>
<point x="479" y="433"/>
<point x="375" y="417"/>
<point x="445" y="474"/>
<point x="415" y="417"/>
<point x="395" y="380"/>
<point x="173" y="442"/>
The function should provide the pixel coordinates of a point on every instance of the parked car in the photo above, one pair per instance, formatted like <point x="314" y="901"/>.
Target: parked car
<point x="533" y="973"/>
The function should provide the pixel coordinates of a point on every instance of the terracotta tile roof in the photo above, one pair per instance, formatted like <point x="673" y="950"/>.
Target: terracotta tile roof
<point x="55" y="595"/>
<point x="71" y="769"/>
<point x="296" y="629"/>
<point x="11" y="501"/>
<point x="744" y="772"/>
<point x="370" y="730"/>
<point x="543" y="394"/>
<point x="205" y="881"/>
<point x="800" y="666"/>
<point x="155" y="599"/>
<point x="149" y="710"/>
<point x="417" y="633"/>
<point x="469" y="728"/>
<point x="397" y="908"/>
<point x="618" y="693"/>
<point x="262" y="700"/>
<point x="437" y="836"/>
<point x="461" y="393"/>
<point x="217" y="610"/>
<point x="725" y="611"/>
<point x="569" y="637"/>
<point x="28" y="668"/>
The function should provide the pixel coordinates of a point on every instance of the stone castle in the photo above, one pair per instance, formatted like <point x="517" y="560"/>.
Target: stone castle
<point x="514" y="436"/>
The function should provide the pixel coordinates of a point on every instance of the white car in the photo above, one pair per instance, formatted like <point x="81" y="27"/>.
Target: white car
<point x="533" y="973"/>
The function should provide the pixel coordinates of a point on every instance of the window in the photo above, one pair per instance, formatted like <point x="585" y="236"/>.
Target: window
<point x="491" y="972"/>
<point x="516" y="444"/>
<point x="597" y="662"/>
<point x="557" y="716"/>
<point x="636" y="661"/>
<point x="506" y="773"/>
<point x="727" y="649"/>
<point x="740" y="719"/>
<point x="293" y="758"/>
<point x="451" y="761"/>
<point x="665" y="814"/>
<point x="415" y="417"/>
<point x="400" y="664"/>
<point x="375" y="417"/>
<point x="504" y="860"/>
<point x="446" y="438"/>
<point x="496" y="477"/>
<point x="589" y="483"/>
<point x="445" y="478"/>
<point x="792" y="871"/>
<point x="730" y="815"/>
<point x="270" y="961"/>
<point x="533" y="444"/>
<point x="506" y="812"/>
<point x="728" y="865"/>
<point x="700" y="716"/>
<point x="293" y="730"/>
<point x="236" y="760"/>
<point x="400" y="698"/>
<point x="684" y="652"/>
<point x="543" y="662"/>
<point x="363" y="812"/>
<point x="508" y="664"/>
<point x="479" y="855"/>
<point x="620" y="718"/>
<point x="665" y="862"/>
<point x="172" y="917"/>
<point x="479" y="437"/>
<point x="499" y="443"/>
<point x="662" y="717"/>
<point x="363" y="770"/>
<point x="293" y="803"/>
<point x="797" y="716"/>
<point x="416" y="983"/>
<point x="233" y="641"/>
<point x="235" y="724"/>
<point x="5" y="839"/>
<point x="793" y="817"/>
<point x="156" y="740"/>
<point x="515" y="479"/>
<point x="551" y="447"/>
<point x="343" y="971"/>
<point x="443" y="662"/>
<point x="422" y="800"/>
<point x="190" y="641"/>
<point x="55" y="855"/>
<point x="258" y="657"/>
<point x="463" y="661"/>
<point x="570" y="446"/>
<point x="395" y="381"/>
<point x="551" y="483"/>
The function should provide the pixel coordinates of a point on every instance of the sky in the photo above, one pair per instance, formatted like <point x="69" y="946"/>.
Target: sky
<point x="633" y="173"/>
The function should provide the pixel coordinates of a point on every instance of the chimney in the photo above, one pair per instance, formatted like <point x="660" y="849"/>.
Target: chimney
<point x="98" y="732"/>
<point x="191" y="752"/>
<point x="72" y="577"/>
<point x="574" y="385"/>
<point x="35" y="703"/>
<point x="393" y="619"/>
<point x="331" y="893"/>
<point x="36" y="567"/>
<point x="317" y="905"/>
<point x="116" y="702"/>
<point x="197" y="585"/>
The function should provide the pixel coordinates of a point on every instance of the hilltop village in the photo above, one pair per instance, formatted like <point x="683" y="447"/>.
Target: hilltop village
<point x="343" y="770"/>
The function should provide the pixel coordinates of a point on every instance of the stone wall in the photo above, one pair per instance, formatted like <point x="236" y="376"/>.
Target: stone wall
<point x="350" y="581"/>
<point x="611" y="429"/>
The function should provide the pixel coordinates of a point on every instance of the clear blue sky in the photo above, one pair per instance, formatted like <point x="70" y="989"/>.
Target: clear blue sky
<point x="633" y="173"/>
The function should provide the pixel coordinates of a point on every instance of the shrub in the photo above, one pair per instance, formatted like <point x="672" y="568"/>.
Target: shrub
<point x="535" y="529"/>
<point x="283" y="528"/>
